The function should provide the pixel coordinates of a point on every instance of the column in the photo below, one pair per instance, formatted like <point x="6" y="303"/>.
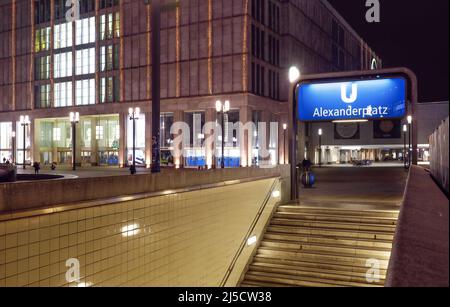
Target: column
<point x="78" y="144"/>
<point x="148" y="139"/>
<point x="245" y="114"/>
<point x="94" y="142"/>
<point x="210" y="143"/>
<point x="178" y="117"/>
<point x="34" y="141"/>
<point x="123" y="139"/>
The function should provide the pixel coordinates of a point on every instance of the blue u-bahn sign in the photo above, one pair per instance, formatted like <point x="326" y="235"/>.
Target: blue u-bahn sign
<point x="381" y="98"/>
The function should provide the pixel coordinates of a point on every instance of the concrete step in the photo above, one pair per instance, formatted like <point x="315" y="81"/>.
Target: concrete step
<point x="336" y="218"/>
<point x="330" y="239"/>
<point x="334" y="275"/>
<point x="333" y="225"/>
<point x="301" y="281"/>
<point x="337" y="249"/>
<point x="320" y="257"/>
<point x="338" y="212"/>
<point x="312" y="266"/>
<point x="331" y="233"/>
<point x="322" y="247"/>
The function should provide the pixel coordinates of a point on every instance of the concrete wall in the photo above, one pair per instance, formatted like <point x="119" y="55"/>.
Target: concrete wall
<point x="439" y="155"/>
<point x="180" y="239"/>
<point x="25" y="195"/>
<point x="420" y="250"/>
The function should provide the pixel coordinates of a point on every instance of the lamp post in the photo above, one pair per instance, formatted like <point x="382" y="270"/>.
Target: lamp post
<point x="222" y="109"/>
<point x="24" y="122"/>
<point x="410" y="122"/>
<point x="294" y="77"/>
<point x="320" y="132"/>
<point x="405" y="130"/>
<point x="74" y="118"/>
<point x="134" y="116"/>
<point x="285" y="126"/>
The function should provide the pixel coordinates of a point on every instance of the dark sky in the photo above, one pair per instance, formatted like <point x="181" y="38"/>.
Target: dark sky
<point x="412" y="33"/>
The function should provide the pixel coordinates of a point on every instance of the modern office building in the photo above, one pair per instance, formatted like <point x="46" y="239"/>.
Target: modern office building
<point x="100" y="66"/>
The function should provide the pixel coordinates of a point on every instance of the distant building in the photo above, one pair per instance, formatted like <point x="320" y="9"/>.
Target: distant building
<point x="376" y="140"/>
<point x="100" y="66"/>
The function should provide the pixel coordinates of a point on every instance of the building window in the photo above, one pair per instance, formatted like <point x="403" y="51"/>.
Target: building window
<point x="63" y="35"/>
<point x="108" y="3"/>
<point x="85" y="31"/>
<point x="110" y="26"/>
<point x="139" y="138"/>
<point x="42" y="68"/>
<point x="63" y="65"/>
<point x="42" y="96"/>
<point x="42" y="40"/>
<point x="63" y="94"/>
<point x="87" y="6"/>
<point x="85" y="61"/>
<point x="109" y="57"/>
<point x="42" y="11"/>
<point x="109" y="89"/>
<point x="85" y="92"/>
<point x="6" y="141"/>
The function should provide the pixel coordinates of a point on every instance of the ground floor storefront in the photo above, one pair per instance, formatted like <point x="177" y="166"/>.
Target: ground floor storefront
<point x="190" y="135"/>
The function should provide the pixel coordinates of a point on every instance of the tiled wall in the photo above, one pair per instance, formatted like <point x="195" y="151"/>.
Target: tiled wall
<point x="186" y="239"/>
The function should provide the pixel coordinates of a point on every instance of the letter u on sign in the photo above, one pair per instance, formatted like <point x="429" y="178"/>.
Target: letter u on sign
<point x="353" y="95"/>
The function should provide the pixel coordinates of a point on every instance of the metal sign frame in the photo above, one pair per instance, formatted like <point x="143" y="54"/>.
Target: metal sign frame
<point x="412" y="100"/>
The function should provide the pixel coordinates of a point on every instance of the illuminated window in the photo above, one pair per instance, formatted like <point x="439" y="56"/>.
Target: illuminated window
<point x="63" y="65"/>
<point x="109" y="57"/>
<point x="85" y="61"/>
<point x="109" y="89"/>
<point x="99" y="133"/>
<point x="63" y="35"/>
<point x="42" y="68"/>
<point x="85" y="92"/>
<point x="42" y="40"/>
<point x="85" y="31"/>
<point x="56" y="134"/>
<point x="110" y="26"/>
<point x="42" y="96"/>
<point x="63" y="94"/>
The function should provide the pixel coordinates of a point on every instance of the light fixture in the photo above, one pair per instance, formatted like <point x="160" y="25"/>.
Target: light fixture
<point x="320" y="132"/>
<point x="285" y="126"/>
<point x="276" y="194"/>
<point x="252" y="240"/>
<point x="74" y="117"/>
<point x="410" y="119"/>
<point x="218" y="106"/>
<point x="84" y="285"/>
<point x="294" y="74"/>
<point x="130" y="230"/>
<point x="405" y="128"/>
<point x="350" y="121"/>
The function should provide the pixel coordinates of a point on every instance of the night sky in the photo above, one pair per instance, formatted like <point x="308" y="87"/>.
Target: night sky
<point x="412" y="33"/>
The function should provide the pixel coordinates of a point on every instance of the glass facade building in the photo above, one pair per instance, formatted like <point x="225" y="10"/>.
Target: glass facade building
<point x="100" y="65"/>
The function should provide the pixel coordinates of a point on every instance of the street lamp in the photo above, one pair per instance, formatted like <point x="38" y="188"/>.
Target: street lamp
<point x="222" y="109"/>
<point x="405" y="130"/>
<point x="320" y="132"/>
<point x="24" y="122"/>
<point x="134" y="116"/>
<point x="294" y="77"/>
<point x="410" y="122"/>
<point x="74" y="118"/>
<point x="285" y="126"/>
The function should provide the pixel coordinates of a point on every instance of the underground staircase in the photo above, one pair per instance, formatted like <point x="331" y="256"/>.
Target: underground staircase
<point x="322" y="247"/>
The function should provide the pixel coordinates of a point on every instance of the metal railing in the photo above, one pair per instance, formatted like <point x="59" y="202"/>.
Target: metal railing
<point x="249" y="233"/>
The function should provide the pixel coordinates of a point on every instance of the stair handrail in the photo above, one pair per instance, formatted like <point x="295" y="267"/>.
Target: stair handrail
<point x="249" y="233"/>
